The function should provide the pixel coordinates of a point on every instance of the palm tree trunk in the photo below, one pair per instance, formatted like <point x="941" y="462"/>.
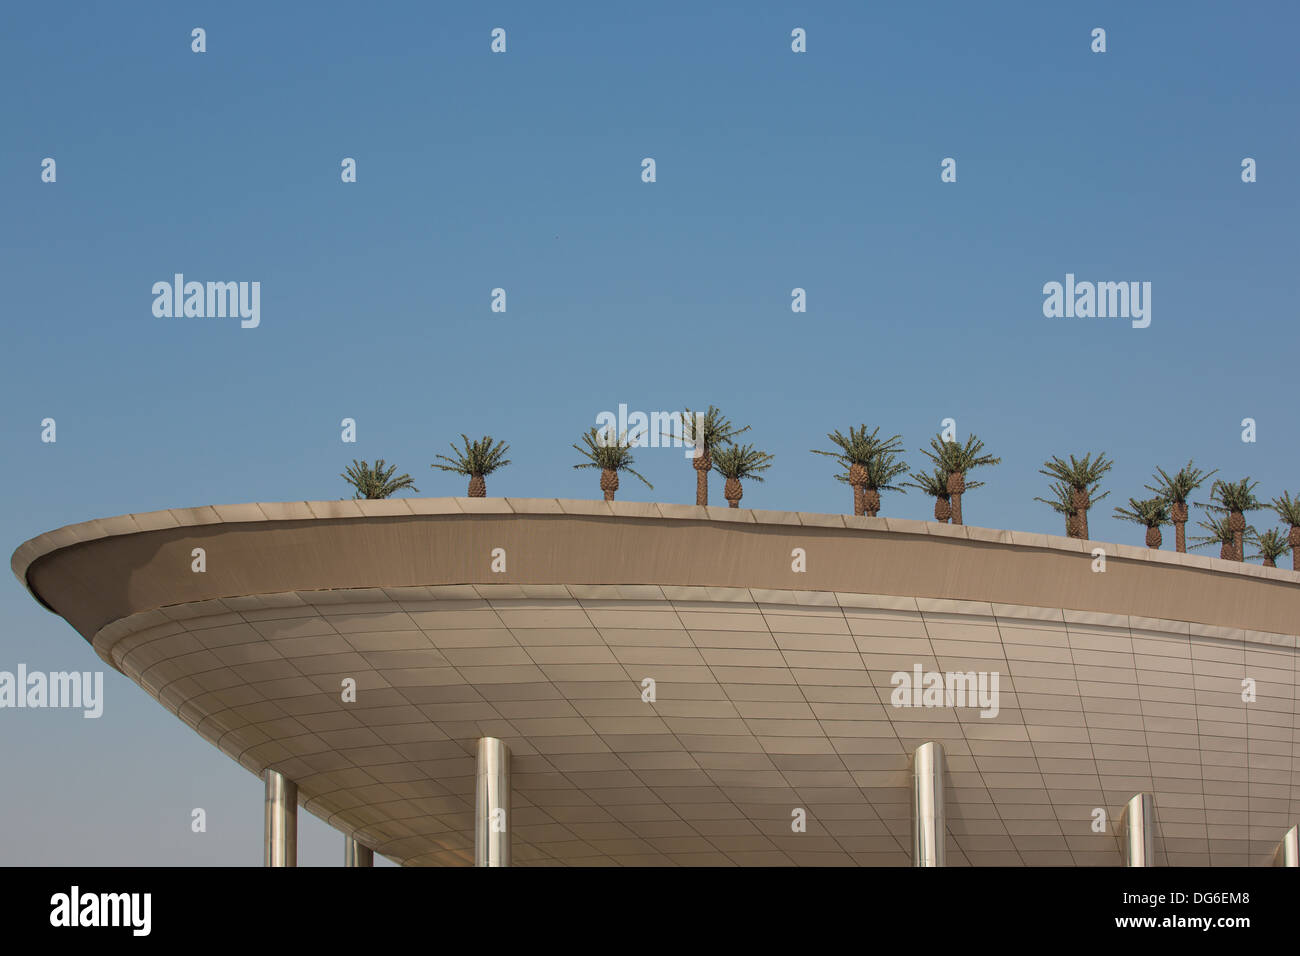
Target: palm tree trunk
<point x="477" y="487"/>
<point x="1080" y="502"/>
<point x="608" y="483"/>
<point x="859" y="501"/>
<point x="871" y="501"/>
<point x="956" y="488"/>
<point x="1178" y="511"/>
<point x="703" y="465"/>
<point x="733" y="492"/>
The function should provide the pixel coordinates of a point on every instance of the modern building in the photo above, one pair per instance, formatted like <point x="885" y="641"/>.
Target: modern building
<point x="525" y="681"/>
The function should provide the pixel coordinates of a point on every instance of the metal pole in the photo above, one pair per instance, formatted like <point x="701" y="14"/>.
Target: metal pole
<point x="1288" y="851"/>
<point x="357" y="854"/>
<point x="929" y="830"/>
<point x="281" y="808"/>
<point x="1140" y="831"/>
<point x="492" y="804"/>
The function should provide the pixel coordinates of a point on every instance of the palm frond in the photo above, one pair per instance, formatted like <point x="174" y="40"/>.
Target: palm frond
<point x="859" y="447"/>
<point x="1060" y="503"/>
<point x="1270" y="545"/>
<point x="953" y="456"/>
<point x="375" y="481"/>
<point x="480" y="457"/>
<point x="1149" y="512"/>
<point x="741" y="462"/>
<point x="1287" y="508"/>
<point x="1176" y="488"/>
<point x="1080" y="474"/>
<point x="714" y="428"/>
<point x="1229" y="496"/>
<point x="882" y="469"/>
<point x="1219" y="532"/>
<point x="932" y="483"/>
<point x="608" y="452"/>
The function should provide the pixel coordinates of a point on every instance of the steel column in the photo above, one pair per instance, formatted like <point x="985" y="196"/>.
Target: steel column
<point x="1139" y="831"/>
<point x="357" y="854"/>
<point x="1288" y="851"/>
<point x="929" y="830"/>
<point x="492" y="804"/>
<point x="281" y="811"/>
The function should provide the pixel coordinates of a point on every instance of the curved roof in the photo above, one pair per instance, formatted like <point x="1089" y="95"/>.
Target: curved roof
<point x="773" y="685"/>
<point x="99" y="571"/>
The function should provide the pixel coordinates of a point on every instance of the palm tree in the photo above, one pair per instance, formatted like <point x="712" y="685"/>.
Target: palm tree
<point x="935" y="484"/>
<point x="611" y="455"/>
<point x="956" y="459"/>
<point x="856" y="453"/>
<point x="881" y="470"/>
<point x="1151" y="512"/>
<point x="1220" y="533"/>
<point x="1271" y="545"/>
<point x="736" y="463"/>
<point x="1082" y="477"/>
<point x="1288" y="509"/>
<point x="477" y="459"/>
<point x="715" y="430"/>
<point x="375" y="481"/>
<point x="1234" y="499"/>
<point x="1175" y="490"/>
<point x="1060" y="502"/>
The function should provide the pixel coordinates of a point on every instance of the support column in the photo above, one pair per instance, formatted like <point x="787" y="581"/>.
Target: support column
<point x="1288" y="851"/>
<point x="281" y="806"/>
<point x="929" y="830"/>
<point x="1138" y="827"/>
<point x="492" y="804"/>
<point x="357" y="854"/>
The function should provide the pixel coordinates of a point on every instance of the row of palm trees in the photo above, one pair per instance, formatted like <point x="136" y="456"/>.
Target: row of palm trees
<point x="872" y="464"/>
<point x="476" y="460"/>
<point x="1076" y="482"/>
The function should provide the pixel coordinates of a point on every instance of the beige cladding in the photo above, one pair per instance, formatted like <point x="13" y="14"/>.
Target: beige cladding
<point x="94" y="573"/>
<point x="773" y="687"/>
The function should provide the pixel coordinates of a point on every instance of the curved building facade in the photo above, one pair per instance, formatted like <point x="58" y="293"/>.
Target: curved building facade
<point x="581" y="682"/>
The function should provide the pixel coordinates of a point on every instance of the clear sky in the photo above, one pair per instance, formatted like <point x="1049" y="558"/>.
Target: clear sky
<point x="522" y="171"/>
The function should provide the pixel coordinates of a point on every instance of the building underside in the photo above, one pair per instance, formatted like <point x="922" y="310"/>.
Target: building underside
<point x="773" y="688"/>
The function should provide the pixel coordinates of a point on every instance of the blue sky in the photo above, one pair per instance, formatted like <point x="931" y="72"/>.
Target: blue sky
<point x="523" y="171"/>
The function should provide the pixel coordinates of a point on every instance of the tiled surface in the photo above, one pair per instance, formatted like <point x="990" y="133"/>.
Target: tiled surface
<point x="767" y="701"/>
